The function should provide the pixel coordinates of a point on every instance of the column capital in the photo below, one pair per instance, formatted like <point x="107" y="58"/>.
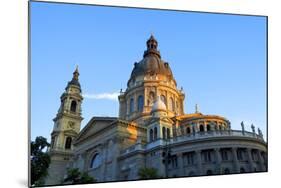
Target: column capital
<point x="217" y="149"/>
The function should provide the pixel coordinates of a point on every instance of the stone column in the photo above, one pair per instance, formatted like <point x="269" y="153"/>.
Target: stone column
<point x="197" y="127"/>
<point x="67" y="104"/>
<point x="127" y="107"/>
<point x="180" y="164"/>
<point x="199" y="162"/>
<point x="250" y="160"/>
<point x="261" y="162"/>
<point x="135" y="104"/>
<point x="104" y="157"/>
<point x="218" y="160"/>
<point x="235" y="160"/>
<point x="205" y="126"/>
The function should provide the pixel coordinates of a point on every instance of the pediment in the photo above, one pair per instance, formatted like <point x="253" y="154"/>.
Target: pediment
<point x="163" y="119"/>
<point x="94" y="125"/>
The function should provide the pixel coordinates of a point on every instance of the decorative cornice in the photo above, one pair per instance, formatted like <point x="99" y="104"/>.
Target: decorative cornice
<point x="70" y="115"/>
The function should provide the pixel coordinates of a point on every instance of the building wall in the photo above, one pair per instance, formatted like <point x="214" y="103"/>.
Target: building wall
<point x="201" y="165"/>
<point x="108" y="144"/>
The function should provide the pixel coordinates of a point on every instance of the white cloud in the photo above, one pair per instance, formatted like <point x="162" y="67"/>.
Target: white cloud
<point x="102" y="96"/>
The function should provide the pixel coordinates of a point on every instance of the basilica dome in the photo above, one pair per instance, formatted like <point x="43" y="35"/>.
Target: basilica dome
<point x="151" y="64"/>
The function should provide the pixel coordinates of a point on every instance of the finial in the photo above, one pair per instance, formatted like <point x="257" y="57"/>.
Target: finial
<point x="243" y="127"/>
<point x="196" y="108"/>
<point x="253" y="128"/>
<point x="76" y="73"/>
<point x="260" y="133"/>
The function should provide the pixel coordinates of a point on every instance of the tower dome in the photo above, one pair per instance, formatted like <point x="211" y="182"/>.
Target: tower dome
<point x="75" y="79"/>
<point x="159" y="105"/>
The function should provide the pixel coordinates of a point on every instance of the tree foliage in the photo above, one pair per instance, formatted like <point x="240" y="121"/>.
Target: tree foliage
<point x="40" y="160"/>
<point x="148" y="173"/>
<point x="74" y="176"/>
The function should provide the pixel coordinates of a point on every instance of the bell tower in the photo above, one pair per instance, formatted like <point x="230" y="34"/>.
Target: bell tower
<point x="68" y="119"/>
<point x="67" y="125"/>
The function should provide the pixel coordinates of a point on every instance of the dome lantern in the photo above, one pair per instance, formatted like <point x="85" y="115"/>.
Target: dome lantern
<point x="152" y="45"/>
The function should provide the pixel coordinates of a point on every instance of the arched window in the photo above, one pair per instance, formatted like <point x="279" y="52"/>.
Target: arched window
<point x="131" y="105"/>
<point x="226" y="171"/>
<point x="96" y="161"/>
<point x="151" y="135"/>
<point x="224" y="155"/>
<point x="209" y="172"/>
<point x="240" y="154"/>
<point x="201" y="128"/>
<point x="242" y="170"/>
<point x="140" y="103"/>
<point x="171" y="104"/>
<point x="155" y="133"/>
<point x="73" y="106"/>
<point x="208" y="127"/>
<point x="168" y="133"/>
<point x="164" y="132"/>
<point x="188" y="131"/>
<point x="68" y="143"/>
<point x="163" y="98"/>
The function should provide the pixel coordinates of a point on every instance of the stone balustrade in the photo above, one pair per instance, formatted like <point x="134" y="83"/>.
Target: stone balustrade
<point x="192" y="137"/>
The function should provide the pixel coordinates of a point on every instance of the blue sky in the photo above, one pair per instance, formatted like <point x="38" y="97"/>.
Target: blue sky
<point x="219" y="60"/>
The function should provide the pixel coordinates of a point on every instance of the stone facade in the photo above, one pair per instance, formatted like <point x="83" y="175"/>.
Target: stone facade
<point x="151" y="131"/>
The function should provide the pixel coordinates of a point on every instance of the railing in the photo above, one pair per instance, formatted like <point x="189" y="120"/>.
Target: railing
<point x="192" y="136"/>
<point x="210" y="134"/>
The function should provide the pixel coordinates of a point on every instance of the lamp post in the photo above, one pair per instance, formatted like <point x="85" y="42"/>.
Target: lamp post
<point x="166" y="155"/>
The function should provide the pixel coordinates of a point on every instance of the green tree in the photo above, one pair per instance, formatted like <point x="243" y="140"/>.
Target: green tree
<point x="40" y="160"/>
<point x="74" y="176"/>
<point x="148" y="173"/>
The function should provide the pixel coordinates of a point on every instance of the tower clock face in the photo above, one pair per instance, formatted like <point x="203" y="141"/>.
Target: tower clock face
<point x="71" y="125"/>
